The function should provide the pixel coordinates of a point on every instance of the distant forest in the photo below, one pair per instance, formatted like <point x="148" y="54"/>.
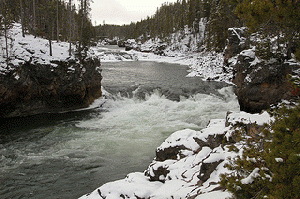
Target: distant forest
<point x="265" y="17"/>
<point x="172" y="17"/>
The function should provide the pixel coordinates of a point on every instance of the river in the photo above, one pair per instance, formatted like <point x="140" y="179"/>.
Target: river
<point x="67" y="155"/>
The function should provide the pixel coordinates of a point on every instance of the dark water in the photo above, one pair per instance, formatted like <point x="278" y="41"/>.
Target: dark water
<point x="70" y="154"/>
<point x="144" y="77"/>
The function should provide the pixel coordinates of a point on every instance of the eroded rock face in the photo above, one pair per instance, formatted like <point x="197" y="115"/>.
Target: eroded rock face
<point x="34" y="88"/>
<point x="260" y="83"/>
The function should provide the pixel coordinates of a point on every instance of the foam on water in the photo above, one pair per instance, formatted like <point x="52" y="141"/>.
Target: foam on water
<point x="131" y="124"/>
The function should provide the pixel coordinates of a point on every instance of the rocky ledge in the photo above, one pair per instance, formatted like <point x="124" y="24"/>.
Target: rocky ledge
<point x="34" y="88"/>
<point x="260" y="83"/>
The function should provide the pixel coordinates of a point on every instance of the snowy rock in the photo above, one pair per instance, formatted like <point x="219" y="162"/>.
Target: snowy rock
<point x="42" y="88"/>
<point x="33" y="82"/>
<point x="236" y="42"/>
<point x="188" y="164"/>
<point x="261" y="83"/>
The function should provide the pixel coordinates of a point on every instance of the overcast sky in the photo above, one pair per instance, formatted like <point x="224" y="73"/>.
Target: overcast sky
<point x="123" y="11"/>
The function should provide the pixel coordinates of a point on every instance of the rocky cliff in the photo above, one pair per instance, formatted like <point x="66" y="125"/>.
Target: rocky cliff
<point x="260" y="83"/>
<point x="35" y="79"/>
<point x="33" y="88"/>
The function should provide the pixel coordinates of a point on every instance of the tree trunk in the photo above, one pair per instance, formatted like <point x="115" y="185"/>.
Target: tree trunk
<point x="34" y="19"/>
<point x="50" y="46"/>
<point x="57" y="26"/>
<point x="81" y="28"/>
<point x="70" y="33"/>
<point x="22" y="18"/>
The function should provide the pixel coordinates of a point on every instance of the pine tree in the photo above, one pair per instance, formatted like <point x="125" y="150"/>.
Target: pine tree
<point x="270" y="162"/>
<point x="221" y="17"/>
<point x="22" y="18"/>
<point x="85" y="30"/>
<point x="274" y="18"/>
<point x="70" y="27"/>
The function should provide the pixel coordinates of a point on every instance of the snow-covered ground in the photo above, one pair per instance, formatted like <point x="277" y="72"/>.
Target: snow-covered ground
<point x="29" y="48"/>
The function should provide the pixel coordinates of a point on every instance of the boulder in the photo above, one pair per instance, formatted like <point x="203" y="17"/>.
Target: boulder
<point x="261" y="83"/>
<point x="236" y="42"/>
<point x="34" y="88"/>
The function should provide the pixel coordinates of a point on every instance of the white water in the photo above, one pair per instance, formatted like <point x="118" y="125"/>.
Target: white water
<point x="81" y="151"/>
<point x="133" y="128"/>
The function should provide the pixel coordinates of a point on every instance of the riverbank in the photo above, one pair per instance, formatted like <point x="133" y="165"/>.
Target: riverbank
<point x="188" y="164"/>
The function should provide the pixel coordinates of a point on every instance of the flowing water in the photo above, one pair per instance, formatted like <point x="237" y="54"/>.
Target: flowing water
<point x="70" y="154"/>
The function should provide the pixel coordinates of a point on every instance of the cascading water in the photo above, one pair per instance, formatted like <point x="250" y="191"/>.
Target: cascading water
<point x="69" y="154"/>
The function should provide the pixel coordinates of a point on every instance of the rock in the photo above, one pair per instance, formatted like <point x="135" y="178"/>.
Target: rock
<point x="261" y="83"/>
<point x="212" y="141"/>
<point x="236" y="42"/>
<point x="170" y="153"/>
<point x="34" y="88"/>
<point x="158" y="174"/>
<point x="206" y="169"/>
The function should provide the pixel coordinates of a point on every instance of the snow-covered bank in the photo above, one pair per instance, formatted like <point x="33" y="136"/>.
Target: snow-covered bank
<point x="187" y="164"/>
<point x="33" y="80"/>
<point x="30" y="48"/>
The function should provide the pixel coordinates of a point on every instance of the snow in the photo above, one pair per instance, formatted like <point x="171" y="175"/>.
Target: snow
<point x="182" y="179"/>
<point x="249" y="53"/>
<point x="135" y="184"/>
<point x="184" y="137"/>
<point x="278" y="159"/>
<point x="247" y="118"/>
<point x="28" y="48"/>
<point x="215" y="195"/>
<point x="249" y="179"/>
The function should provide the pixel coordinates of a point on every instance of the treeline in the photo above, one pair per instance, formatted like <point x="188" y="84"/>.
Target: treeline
<point x="172" y="17"/>
<point x="266" y="17"/>
<point x="51" y="19"/>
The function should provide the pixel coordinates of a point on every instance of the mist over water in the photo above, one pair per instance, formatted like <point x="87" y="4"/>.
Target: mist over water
<point x="69" y="154"/>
